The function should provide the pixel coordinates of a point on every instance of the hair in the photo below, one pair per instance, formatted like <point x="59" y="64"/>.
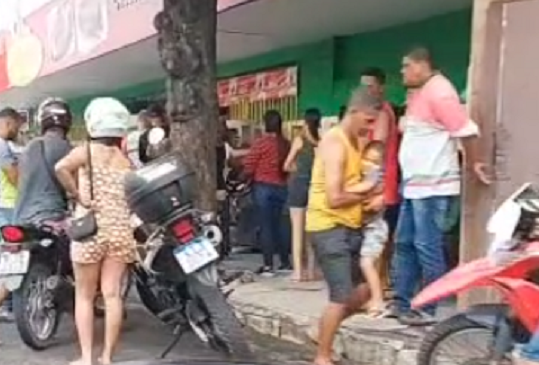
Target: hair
<point x="9" y="113"/>
<point x="375" y="72"/>
<point x="224" y="111"/>
<point x="421" y="54"/>
<point x="108" y="141"/>
<point x="342" y="112"/>
<point x="156" y="110"/>
<point x="273" y="123"/>
<point x="313" y="117"/>
<point x="362" y="99"/>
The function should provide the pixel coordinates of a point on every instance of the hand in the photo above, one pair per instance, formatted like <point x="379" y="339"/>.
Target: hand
<point x="480" y="171"/>
<point x="375" y="204"/>
<point x="86" y="203"/>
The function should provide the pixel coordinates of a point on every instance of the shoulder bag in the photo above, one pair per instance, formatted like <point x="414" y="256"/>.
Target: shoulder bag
<point x="85" y="227"/>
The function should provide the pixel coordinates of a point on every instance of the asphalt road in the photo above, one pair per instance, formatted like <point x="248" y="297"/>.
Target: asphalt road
<point x="143" y="339"/>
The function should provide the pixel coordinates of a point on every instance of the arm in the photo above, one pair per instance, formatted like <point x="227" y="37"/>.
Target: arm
<point x="67" y="167"/>
<point x="8" y="163"/>
<point x="362" y="187"/>
<point x="451" y="114"/>
<point x="381" y="131"/>
<point x="333" y="157"/>
<point x="250" y="161"/>
<point x="297" y="144"/>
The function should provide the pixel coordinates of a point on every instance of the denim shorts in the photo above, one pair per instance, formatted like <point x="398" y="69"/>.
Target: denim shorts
<point x="337" y="251"/>
<point x="298" y="192"/>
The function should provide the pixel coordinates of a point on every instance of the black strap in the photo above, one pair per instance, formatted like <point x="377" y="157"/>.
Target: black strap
<point x="90" y="171"/>
<point x="51" y="173"/>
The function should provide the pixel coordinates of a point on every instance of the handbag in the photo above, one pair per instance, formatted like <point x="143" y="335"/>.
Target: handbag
<point x="85" y="227"/>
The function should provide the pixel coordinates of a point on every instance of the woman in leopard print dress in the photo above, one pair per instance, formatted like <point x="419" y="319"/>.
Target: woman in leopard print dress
<point x="103" y="259"/>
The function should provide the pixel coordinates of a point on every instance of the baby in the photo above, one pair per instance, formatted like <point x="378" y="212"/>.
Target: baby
<point x="375" y="229"/>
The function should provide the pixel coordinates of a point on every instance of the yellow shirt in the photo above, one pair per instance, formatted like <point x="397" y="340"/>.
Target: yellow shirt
<point x="319" y="215"/>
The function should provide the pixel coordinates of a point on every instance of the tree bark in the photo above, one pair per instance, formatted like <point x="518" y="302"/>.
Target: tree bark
<point x="187" y="49"/>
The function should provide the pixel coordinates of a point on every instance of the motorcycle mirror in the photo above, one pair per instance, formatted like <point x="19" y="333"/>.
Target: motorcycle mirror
<point x="156" y="135"/>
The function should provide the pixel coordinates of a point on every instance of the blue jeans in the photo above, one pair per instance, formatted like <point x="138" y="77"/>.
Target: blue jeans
<point x="6" y="218"/>
<point x="419" y="247"/>
<point x="270" y="201"/>
<point x="530" y="351"/>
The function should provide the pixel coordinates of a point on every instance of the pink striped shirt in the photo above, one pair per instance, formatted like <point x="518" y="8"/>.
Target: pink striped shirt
<point x="428" y="154"/>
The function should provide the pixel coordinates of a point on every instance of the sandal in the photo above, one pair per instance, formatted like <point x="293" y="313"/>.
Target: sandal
<point x="378" y="312"/>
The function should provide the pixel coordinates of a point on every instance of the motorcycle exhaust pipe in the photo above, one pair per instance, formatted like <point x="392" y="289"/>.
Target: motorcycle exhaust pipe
<point x="213" y="234"/>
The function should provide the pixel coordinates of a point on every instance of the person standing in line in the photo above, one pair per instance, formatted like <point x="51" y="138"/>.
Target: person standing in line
<point x="102" y="259"/>
<point x="157" y="117"/>
<point x="132" y="140"/>
<point x="434" y="121"/>
<point x="373" y="79"/>
<point x="10" y="123"/>
<point x="265" y="162"/>
<point x="334" y="217"/>
<point x="299" y="163"/>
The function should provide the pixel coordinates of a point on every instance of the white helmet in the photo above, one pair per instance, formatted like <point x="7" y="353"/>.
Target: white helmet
<point x="106" y="117"/>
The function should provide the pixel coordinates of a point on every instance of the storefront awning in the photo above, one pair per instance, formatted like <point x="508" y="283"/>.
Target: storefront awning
<point x="253" y="28"/>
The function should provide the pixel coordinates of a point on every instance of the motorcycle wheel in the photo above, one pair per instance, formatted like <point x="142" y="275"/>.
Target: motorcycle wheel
<point x="36" y="315"/>
<point x="454" y="334"/>
<point x="224" y="331"/>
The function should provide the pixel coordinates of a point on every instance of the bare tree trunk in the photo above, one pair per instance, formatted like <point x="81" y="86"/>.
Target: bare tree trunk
<point x="187" y="48"/>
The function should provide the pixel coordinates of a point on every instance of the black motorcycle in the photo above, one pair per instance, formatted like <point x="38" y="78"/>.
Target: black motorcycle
<point x="35" y="266"/>
<point x="176" y="277"/>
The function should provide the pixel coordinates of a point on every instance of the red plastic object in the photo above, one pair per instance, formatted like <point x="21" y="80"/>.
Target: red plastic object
<point x="509" y="278"/>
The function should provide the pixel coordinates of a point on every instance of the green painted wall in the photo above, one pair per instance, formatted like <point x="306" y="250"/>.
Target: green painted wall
<point x="328" y="70"/>
<point x="448" y="36"/>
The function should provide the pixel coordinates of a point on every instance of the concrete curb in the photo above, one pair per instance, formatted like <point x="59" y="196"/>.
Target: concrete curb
<point x="363" y="348"/>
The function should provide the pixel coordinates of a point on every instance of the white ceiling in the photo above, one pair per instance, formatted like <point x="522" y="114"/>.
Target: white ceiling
<point x="254" y="28"/>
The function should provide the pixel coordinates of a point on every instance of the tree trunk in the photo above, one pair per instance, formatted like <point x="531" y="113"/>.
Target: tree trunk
<point x="187" y="49"/>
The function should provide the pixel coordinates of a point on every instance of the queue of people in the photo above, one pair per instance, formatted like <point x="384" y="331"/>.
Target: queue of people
<point x="348" y="197"/>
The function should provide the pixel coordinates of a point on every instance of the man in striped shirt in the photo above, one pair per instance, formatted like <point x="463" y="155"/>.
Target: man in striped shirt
<point x="434" y="122"/>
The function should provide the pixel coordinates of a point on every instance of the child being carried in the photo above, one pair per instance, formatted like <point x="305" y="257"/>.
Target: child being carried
<point x="375" y="229"/>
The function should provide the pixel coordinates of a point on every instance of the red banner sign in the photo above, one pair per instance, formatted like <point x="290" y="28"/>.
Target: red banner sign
<point x="272" y="84"/>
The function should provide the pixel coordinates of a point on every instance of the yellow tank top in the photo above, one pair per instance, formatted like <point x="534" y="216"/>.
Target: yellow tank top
<point x="319" y="216"/>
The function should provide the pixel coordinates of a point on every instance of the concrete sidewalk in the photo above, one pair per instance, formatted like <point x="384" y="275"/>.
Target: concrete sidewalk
<point x="290" y="311"/>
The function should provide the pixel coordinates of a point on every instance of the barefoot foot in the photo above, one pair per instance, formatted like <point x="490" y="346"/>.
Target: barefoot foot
<point x="104" y="360"/>
<point x="81" y="362"/>
<point x="321" y="360"/>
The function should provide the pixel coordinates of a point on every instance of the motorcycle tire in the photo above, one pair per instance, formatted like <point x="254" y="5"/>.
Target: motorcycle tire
<point x="441" y="332"/>
<point x="228" y="334"/>
<point x="36" y="271"/>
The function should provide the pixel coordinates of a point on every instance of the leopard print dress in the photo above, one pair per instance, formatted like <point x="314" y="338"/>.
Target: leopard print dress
<point x="114" y="238"/>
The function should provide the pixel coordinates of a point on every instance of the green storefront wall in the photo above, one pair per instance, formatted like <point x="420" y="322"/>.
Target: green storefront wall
<point x="328" y="70"/>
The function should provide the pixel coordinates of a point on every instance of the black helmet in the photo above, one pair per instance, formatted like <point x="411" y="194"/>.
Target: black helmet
<point x="54" y="112"/>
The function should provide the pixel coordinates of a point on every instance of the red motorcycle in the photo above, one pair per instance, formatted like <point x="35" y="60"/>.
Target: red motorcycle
<point x="486" y="334"/>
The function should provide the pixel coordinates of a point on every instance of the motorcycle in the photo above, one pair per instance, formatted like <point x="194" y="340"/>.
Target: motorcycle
<point x="176" y="276"/>
<point x="232" y="223"/>
<point x="496" y="329"/>
<point x="35" y="266"/>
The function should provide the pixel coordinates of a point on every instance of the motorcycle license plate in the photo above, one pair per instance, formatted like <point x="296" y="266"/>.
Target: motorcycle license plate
<point x="14" y="263"/>
<point x="196" y="254"/>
